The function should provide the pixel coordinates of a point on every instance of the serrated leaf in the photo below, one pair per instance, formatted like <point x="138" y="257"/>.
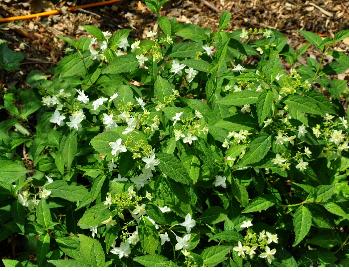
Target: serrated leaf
<point x="43" y="215"/>
<point x="94" y="216"/>
<point x="43" y="248"/>
<point x="11" y="171"/>
<point x="240" y="98"/>
<point x="264" y="105"/>
<point x="335" y="209"/>
<point x="198" y="64"/>
<point x="302" y="221"/>
<point x="94" y="31"/>
<point x="312" y="38"/>
<point x="154" y="261"/>
<point x="91" y="252"/>
<point x="227" y="235"/>
<point x="70" y="149"/>
<point x="224" y="20"/>
<point x="214" y="215"/>
<point x="260" y="204"/>
<point x="162" y="88"/>
<point x="257" y="150"/>
<point x="212" y="256"/>
<point x="303" y="104"/>
<point x="72" y="192"/>
<point x="173" y="168"/>
<point x="185" y="49"/>
<point x="122" y="64"/>
<point x="148" y="236"/>
<point x="165" y="25"/>
<point x="192" y="32"/>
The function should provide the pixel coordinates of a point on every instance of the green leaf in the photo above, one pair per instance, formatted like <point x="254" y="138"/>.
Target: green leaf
<point x="72" y="192"/>
<point x="302" y="221"/>
<point x="214" y="215"/>
<point x="198" y="64"/>
<point x="335" y="209"/>
<point x="154" y="261"/>
<point x="224" y="20"/>
<point x="165" y="25"/>
<point x="240" y="98"/>
<point x="94" y="31"/>
<point x="212" y="256"/>
<point x="9" y="60"/>
<point x="227" y="235"/>
<point x="122" y="64"/>
<point x="173" y="168"/>
<point x="192" y="32"/>
<point x="95" y="191"/>
<point x="70" y="148"/>
<point x="341" y="35"/>
<point x="91" y="252"/>
<point x="260" y="204"/>
<point x="148" y="236"/>
<point x="117" y="36"/>
<point x="73" y="65"/>
<point x="340" y="64"/>
<point x="162" y="89"/>
<point x="313" y="39"/>
<point x="94" y="216"/>
<point x="43" y="215"/>
<point x="11" y="171"/>
<point x="67" y="263"/>
<point x="186" y="49"/>
<point x="43" y="248"/>
<point x="257" y="150"/>
<point x="264" y="105"/>
<point x="155" y="213"/>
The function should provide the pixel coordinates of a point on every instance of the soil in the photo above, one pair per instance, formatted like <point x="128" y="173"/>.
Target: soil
<point x="39" y="38"/>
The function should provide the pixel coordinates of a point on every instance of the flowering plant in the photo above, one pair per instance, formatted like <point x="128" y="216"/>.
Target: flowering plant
<point x="188" y="148"/>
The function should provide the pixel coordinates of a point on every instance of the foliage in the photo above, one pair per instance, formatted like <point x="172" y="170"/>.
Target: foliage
<point x="189" y="148"/>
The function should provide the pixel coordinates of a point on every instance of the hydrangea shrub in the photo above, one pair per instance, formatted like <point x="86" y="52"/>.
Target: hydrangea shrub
<point x="187" y="148"/>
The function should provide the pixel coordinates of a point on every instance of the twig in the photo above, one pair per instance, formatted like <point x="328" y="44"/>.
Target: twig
<point x="327" y="13"/>
<point x="211" y="6"/>
<point x="89" y="12"/>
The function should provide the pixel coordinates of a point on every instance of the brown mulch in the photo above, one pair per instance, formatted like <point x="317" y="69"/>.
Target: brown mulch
<point x="39" y="39"/>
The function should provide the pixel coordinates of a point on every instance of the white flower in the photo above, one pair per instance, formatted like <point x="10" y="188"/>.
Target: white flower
<point x="260" y="50"/>
<point x="97" y="103"/>
<point x="140" y="102"/>
<point x="135" y="45"/>
<point x="250" y="251"/>
<point x="302" y="165"/>
<point x="123" y="250"/>
<point x="267" y="122"/>
<point x="131" y="125"/>
<point x="153" y="222"/>
<point x="182" y="242"/>
<point x="177" y="67"/>
<point x="57" y="118"/>
<point x="262" y="236"/>
<point x="244" y="34"/>
<point x="307" y="152"/>
<point x="240" y="249"/>
<point x="189" y="138"/>
<point x="246" y="108"/>
<point x="113" y="97"/>
<point x="344" y="122"/>
<point x="272" y="238"/>
<point x="220" y="181"/>
<point x="165" y="209"/>
<point x="75" y="119"/>
<point x="106" y="34"/>
<point x="267" y="33"/>
<point x="337" y="137"/>
<point x="138" y="211"/>
<point x="278" y="76"/>
<point x="112" y="166"/>
<point x="164" y="238"/>
<point x="246" y="224"/>
<point x="279" y="160"/>
<point x="208" y="49"/>
<point x="328" y="117"/>
<point x="268" y="254"/>
<point x="93" y="48"/>
<point x="188" y="223"/>
<point x="151" y="162"/>
<point x="23" y="198"/>
<point x="104" y="46"/>
<point x="93" y="231"/>
<point x="117" y="147"/>
<point x="280" y="138"/>
<point x="151" y="34"/>
<point x="302" y="130"/>
<point x="44" y="193"/>
<point x="142" y="179"/>
<point x="50" y="101"/>
<point x="198" y="114"/>
<point x="238" y="68"/>
<point x="108" y="121"/>
<point x="177" y="117"/>
<point x="134" y="238"/>
<point x="108" y="200"/>
<point x="123" y="44"/>
<point x="178" y="134"/>
<point x="191" y="73"/>
<point x="82" y="97"/>
<point x="141" y="60"/>
<point x="49" y="179"/>
<point x="316" y="131"/>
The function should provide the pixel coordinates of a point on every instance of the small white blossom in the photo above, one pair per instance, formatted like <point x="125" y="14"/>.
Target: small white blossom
<point x="117" y="147"/>
<point x="328" y="117"/>
<point x="151" y="34"/>
<point x="93" y="231"/>
<point x="177" y="67"/>
<point x="123" y="44"/>
<point x="240" y="249"/>
<point x="267" y="122"/>
<point x="123" y="250"/>
<point x="57" y="118"/>
<point x="220" y="181"/>
<point x="164" y="238"/>
<point x="250" y="251"/>
<point x="97" y="103"/>
<point x="302" y="165"/>
<point x="75" y="119"/>
<point x="268" y="254"/>
<point x="260" y="50"/>
<point x="142" y="179"/>
<point x="278" y="76"/>
<point x="188" y="223"/>
<point x="104" y="46"/>
<point x="267" y="33"/>
<point x="178" y="134"/>
<point x="93" y="48"/>
<point x="140" y="102"/>
<point x="246" y="224"/>
<point x="272" y="238"/>
<point x="49" y="179"/>
<point x="131" y="125"/>
<point x="198" y="114"/>
<point x="337" y="137"/>
<point x="208" y="49"/>
<point x="302" y="130"/>
<point x="307" y="152"/>
<point x="113" y="97"/>
<point x="23" y="198"/>
<point x="344" y="122"/>
<point x="182" y="242"/>
<point x="107" y="34"/>
<point x="189" y="138"/>
<point x="82" y="97"/>
<point x="50" y="101"/>
<point x="246" y="108"/>
<point x="244" y="34"/>
<point x="108" y="121"/>
<point x="177" y="117"/>
<point x="135" y="45"/>
<point x="44" y="193"/>
<point x="108" y="200"/>
<point x="141" y="60"/>
<point x="191" y="73"/>
<point x="165" y="209"/>
<point x="139" y="211"/>
<point x="316" y="131"/>
<point x="134" y="238"/>
<point x="279" y="160"/>
<point x="238" y="68"/>
<point x="151" y="162"/>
